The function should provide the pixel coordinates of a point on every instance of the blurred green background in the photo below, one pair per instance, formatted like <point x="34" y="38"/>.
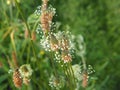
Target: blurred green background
<point x="97" y="20"/>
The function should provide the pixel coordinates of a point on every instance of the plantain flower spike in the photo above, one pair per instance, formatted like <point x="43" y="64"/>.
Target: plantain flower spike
<point x="17" y="79"/>
<point x="25" y="70"/>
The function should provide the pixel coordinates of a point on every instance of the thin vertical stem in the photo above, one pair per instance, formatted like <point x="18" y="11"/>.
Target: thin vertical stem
<point x="72" y="74"/>
<point x="28" y="52"/>
<point x="84" y="63"/>
<point x="13" y="41"/>
<point x="11" y="12"/>
<point x="22" y="15"/>
<point x="20" y="11"/>
<point x="68" y="76"/>
<point x="55" y="71"/>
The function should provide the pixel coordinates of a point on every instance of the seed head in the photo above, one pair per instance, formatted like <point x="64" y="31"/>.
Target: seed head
<point x="17" y="79"/>
<point x="65" y="44"/>
<point x="53" y="43"/>
<point x="66" y="57"/>
<point x="47" y="14"/>
<point x="56" y="82"/>
<point x="44" y="5"/>
<point x="46" y="20"/>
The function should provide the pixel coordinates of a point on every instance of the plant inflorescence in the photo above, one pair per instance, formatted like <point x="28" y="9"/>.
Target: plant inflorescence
<point x="59" y="46"/>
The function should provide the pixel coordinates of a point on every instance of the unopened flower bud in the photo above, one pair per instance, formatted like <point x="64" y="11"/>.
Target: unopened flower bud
<point x="26" y="34"/>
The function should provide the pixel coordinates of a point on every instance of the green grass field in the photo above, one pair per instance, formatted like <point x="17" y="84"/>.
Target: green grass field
<point x="57" y="45"/>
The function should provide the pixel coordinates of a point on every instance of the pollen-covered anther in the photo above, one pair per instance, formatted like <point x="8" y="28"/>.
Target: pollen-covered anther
<point x="26" y="81"/>
<point x="17" y="79"/>
<point x="66" y="58"/>
<point x="64" y="44"/>
<point x="44" y="5"/>
<point x="47" y="14"/>
<point x="45" y="1"/>
<point x="50" y="17"/>
<point x="44" y="21"/>
<point x="53" y="43"/>
<point x="25" y="70"/>
<point x="56" y="82"/>
<point x="54" y="47"/>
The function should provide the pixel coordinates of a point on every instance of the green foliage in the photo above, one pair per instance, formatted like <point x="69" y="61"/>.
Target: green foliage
<point x="97" y="20"/>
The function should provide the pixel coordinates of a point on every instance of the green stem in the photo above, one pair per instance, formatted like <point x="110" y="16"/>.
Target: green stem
<point x="20" y="11"/>
<point x="53" y="65"/>
<point x="28" y="52"/>
<point x="33" y="49"/>
<point x="67" y="74"/>
<point x="84" y="63"/>
<point x="11" y="12"/>
<point x="35" y="25"/>
<point x="68" y="77"/>
<point x="23" y="49"/>
<point x="72" y="74"/>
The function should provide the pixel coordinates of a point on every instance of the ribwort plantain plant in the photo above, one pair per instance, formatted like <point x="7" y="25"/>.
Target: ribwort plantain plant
<point x="59" y="47"/>
<point x="59" y="44"/>
<point x="46" y="48"/>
